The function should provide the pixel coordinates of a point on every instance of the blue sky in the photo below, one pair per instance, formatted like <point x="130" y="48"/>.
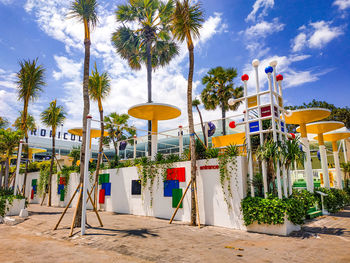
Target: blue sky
<point x="310" y="40"/>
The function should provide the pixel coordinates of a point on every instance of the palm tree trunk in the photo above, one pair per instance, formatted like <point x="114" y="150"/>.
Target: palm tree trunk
<point x="7" y="170"/>
<point x="51" y="166"/>
<point x="26" y="169"/>
<point x="192" y="140"/>
<point x="2" y="173"/>
<point x="85" y="113"/>
<point x="203" y="128"/>
<point x="99" y="156"/>
<point x="149" y="90"/>
<point x="223" y="116"/>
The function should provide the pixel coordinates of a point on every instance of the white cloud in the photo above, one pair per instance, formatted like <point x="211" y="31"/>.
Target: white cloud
<point x="68" y="68"/>
<point x="263" y="29"/>
<point x="264" y="5"/>
<point x="342" y="4"/>
<point x="7" y="79"/>
<point x="316" y="35"/>
<point x="6" y="2"/>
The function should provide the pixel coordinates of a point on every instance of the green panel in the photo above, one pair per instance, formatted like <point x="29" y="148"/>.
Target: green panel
<point x="106" y="178"/>
<point x="177" y="194"/>
<point x="62" y="195"/>
<point x="103" y="178"/>
<point x="34" y="182"/>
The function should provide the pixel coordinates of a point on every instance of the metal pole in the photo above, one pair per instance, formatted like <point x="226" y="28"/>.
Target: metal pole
<point x="86" y="171"/>
<point x="135" y="141"/>
<point x="206" y="130"/>
<point x="344" y="152"/>
<point x="18" y="166"/>
<point x="181" y="141"/>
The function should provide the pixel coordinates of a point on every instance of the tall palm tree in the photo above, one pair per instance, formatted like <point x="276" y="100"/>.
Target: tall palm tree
<point x="9" y="140"/>
<point x="31" y="125"/>
<point x="3" y="123"/>
<point x="86" y="12"/>
<point x="196" y="103"/>
<point x="187" y="20"/>
<point x="144" y="37"/>
<point x="219" y="89"/>
<point x="52" y="117"/>
<point x="30" y="82"/>
<point x="118" y="128"/>
<point x="99" y="88"/>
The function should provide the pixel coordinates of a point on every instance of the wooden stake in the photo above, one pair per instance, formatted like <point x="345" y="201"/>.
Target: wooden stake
<point x="95" y="210"/>
<point x="197" y="208"/>
<point x="76" y="210"/>
<point x="67" y="206"/>
<point x="42" y="201"/>
<point x="178" y="205"/>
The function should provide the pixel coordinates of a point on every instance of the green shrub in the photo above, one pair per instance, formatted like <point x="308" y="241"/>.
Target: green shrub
<point x="307" y="199"/>
<point x="335" y="200"/>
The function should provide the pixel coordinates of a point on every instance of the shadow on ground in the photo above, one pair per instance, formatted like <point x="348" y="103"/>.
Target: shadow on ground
<point x="143" y="232"/>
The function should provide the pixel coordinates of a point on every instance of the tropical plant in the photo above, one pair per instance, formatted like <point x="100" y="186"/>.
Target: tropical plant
<point x="3" y="123"/>
<point x="196" y="103"/>
<point x="118" y="128"/>
<point x="99" y="88"/>
<point x="219" y="89"/>
<point x="86" y="12"/>
<point x="52" y="117"/>
<point x="187" y="20"/>
<point x="30" y="82"/>
<point x="346" y="168"/>
<point x="144" y="37"/>
<point x="9" y="141"/>
<point x="75" y="154"/>
<point x="31" y="125"/>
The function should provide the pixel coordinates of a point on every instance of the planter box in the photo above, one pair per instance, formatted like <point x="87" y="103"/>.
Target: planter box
<point x="15" y="207"/>
<point x="279" y="229"/>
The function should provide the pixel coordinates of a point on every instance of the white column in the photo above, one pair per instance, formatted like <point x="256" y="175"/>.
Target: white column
<point x="154" y="146"/>
<point x="206" y="130"/>
<point x="86" y="172"/>
<point x="118" y="145"/>
<point x="337" y="170"/>
<point x="18" y="166"/>
<point x="181" y="141"/>
<point x="307" y="164"/>
<point x="324" y="165"/>
<point x="344" y="151"/>
<point x="135" y="141"/>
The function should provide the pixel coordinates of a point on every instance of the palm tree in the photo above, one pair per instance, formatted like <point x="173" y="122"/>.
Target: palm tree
<point x="187" y="20"/>
<point x="196" y="103"/>
<point x="9" y="140"/>
<point x="31" y="125"/>
<point x="30" y="82"/>
<point x="144" y="37"/>
<point x="346" y="169"/>
<point x="86" y="12"/>
<point x="3" y="123"/>
<point x="219" y="89"/>
<point x="52" y="117"/>
<point x="118" y="128"/>
<point x="99" y="88"/>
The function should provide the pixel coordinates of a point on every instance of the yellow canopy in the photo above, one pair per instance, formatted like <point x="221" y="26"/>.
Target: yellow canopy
<point x="154" y="111"/>
<point x="322" y="126"/>
<point x="303" y="116"/>
<point x="335" y="136"/>
<point x="94" y="132"/>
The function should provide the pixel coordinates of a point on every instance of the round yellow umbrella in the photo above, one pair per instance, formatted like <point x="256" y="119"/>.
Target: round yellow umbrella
<point x="32" y="151"/>
<point x="320" y="128"/>
<point x="154" y="112"/>
<point x="94" y="133"/>
<point x="334" y="137"/>
<point x="302" y="117"/>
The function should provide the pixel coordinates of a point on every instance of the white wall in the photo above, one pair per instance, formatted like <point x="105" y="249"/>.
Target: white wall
<point x="213" y="209"/>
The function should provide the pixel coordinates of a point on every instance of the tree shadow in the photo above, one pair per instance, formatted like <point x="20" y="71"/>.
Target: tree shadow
<point x="43" y="213"/>
<point x="143" y="232"/>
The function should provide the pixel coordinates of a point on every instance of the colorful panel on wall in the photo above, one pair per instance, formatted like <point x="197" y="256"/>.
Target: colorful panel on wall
<point x="177" y="194"/>
<point x="63" y="180"/>
<point x="135" y="187"/>
<point x="62" y="195"/>
<point x="265" y="111"/>
<point x="254" y="126"/>
<point x="35" y="188"/>
<point x="107" y="188"/>
<point x="103" y="178"/>
<point x="32" y="194"/>
<point x="282" y="126"/>
<point x="209" y="167"/>
<point x="34" y="182"/>
<point x="252" y="102"/>
<point x="59" y="188"/>
<point x="176" y="174"/>
<point x="101" y="199"/>
<point x="169" y="185"/>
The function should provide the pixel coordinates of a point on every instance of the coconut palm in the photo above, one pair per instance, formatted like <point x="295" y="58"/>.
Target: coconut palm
<point x="219" y="89"/>
<point x="99" y="88"/>
<point x="30" y="82"/>
<point x="52" y="117"/>
<point x="118" y="128"/>
<point x="3" y="123"/>
<point x="86" y="12"/>
<point x="31" y="125"/>
<point x="9" y="141"/>
<point x="196" y="103"/>
<point x="187" y="20"/>
<point x="144" y="37"/>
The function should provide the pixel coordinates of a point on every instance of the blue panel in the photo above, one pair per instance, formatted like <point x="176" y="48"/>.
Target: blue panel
<point x="169" y="185"/>
<point x="60" y="187"/>
<point x="107" y="187"/>
<point x="254" y="126"/>
<point x="34" y="188"/>
<point x="282" y="126"/>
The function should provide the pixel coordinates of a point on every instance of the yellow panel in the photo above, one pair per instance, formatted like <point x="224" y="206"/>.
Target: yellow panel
<point x="280" y="101"/>
<point x="322" y="126"/>
<point x="252" y="101"/>
<point x="306" y="115"/>
<point x="226" y="140"/>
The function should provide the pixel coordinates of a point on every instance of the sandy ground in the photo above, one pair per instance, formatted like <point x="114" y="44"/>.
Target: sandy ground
<point x="127" y="238"/>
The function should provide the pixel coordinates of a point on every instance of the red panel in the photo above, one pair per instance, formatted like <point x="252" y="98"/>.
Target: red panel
<point x="209" y="167"/>
<point x="176" y="174"/>
<point x="265" y="111"/>
<point x="63" y="180"/>
<point x="32" y="194"/>
<point x="101" y="199"/>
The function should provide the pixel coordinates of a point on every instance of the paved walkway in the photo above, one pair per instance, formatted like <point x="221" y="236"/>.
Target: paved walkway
<point x="127" y="238"/>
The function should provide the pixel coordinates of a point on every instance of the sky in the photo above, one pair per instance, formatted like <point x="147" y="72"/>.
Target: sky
<point x="309" y="39"/>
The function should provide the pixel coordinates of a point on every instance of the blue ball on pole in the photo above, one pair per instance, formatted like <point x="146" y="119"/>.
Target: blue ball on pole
<point x="211" y="129"/>
<point x="268" y="70"/>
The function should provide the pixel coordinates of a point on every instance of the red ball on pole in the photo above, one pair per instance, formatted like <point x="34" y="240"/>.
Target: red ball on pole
<point x="232" y="124"/>
<point x="245" y="77"/>
<point x="279" y="77"/>
<point x="291" y="136"/>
